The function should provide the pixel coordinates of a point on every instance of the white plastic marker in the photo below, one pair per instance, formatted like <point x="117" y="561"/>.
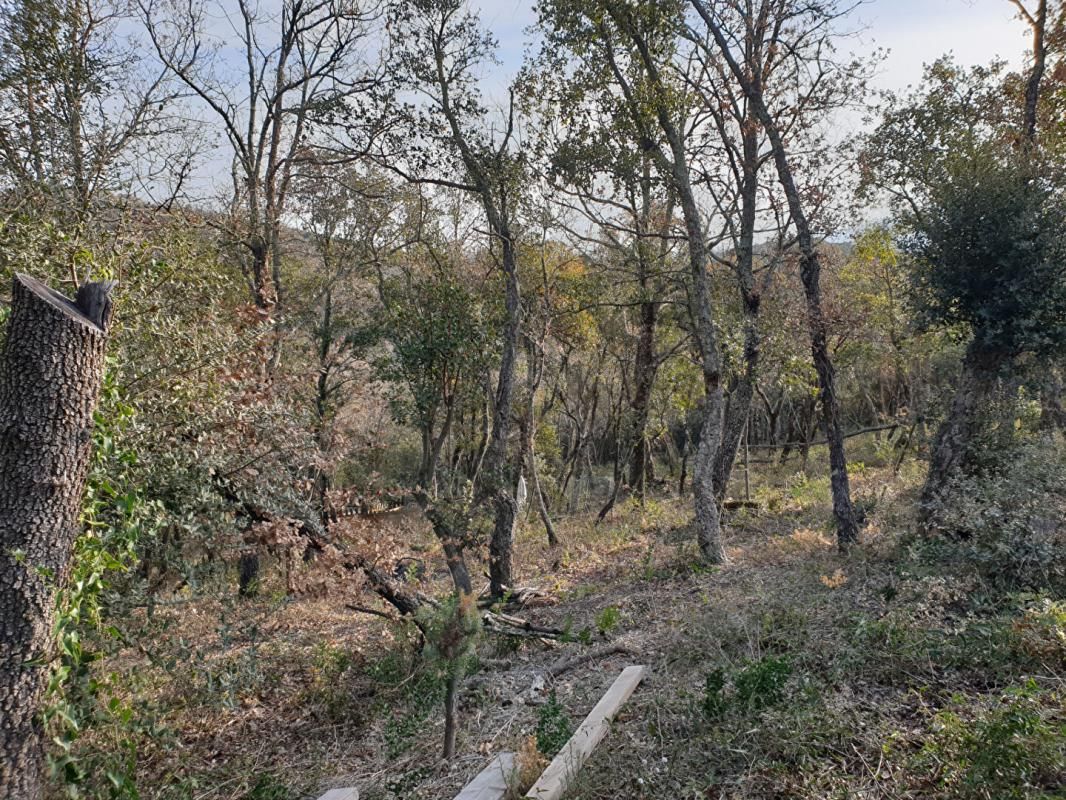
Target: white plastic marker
<point x="560" y="774"/>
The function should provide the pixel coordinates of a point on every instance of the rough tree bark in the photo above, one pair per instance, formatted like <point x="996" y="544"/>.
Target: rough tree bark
<point x="496" y="473"/>
<point x="1037" y="22"/>
<point x="50" y="375"/>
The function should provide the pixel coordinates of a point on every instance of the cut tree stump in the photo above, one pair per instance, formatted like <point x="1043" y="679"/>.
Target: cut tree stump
<point x="493" y="782"/>
<point x="560" y="774"/>
<point x="51" y="370"/>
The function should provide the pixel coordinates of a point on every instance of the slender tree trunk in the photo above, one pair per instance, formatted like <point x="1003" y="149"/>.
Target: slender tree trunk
<point x="323" y="478"/>
<point x="750" y="81"/>
<point x="736" y="415"/>
<point x="542" y="503"/>
<point x="675" y="164"/>
<point x="646" y="364"/>
<point x="684" y="465"/>
<point x="452" y="544"/>
<point x="645" y="367"/>
<point x="451" y="712"/>
<point x="1036" y="73"/>
<point x="50" y="375"/>
<point x="262" y="293"/>
<point x="528" y="432"/>
<point x="495" y="474"/>
<point x="738" y="408"/>
<point x="708" y="521"/>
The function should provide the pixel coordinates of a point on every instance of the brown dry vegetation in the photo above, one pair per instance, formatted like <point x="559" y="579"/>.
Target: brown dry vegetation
<point x="899" y="674"/>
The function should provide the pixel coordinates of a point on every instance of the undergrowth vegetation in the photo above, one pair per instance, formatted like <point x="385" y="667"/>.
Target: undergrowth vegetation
<point x="903" y="669"/>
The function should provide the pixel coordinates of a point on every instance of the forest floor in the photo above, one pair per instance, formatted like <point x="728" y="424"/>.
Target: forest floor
<point x="791" y="671"/>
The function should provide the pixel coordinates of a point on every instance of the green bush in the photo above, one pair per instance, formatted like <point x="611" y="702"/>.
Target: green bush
<point x="1007" y="519"/>
<point x="1012" y="750"/>
<point x="714" y="699"/>
<point x="607" y="620"/>
<point x="553" y="727"/>
<point x="756" y="685"/>
<point x="762" y="683"/>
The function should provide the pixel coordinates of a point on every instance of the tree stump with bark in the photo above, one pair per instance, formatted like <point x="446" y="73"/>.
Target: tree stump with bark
<point x="51" y="370"/>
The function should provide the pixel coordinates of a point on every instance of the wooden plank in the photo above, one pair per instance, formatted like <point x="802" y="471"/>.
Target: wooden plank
<point x="350" y="793"/>
<point x="492" y="782"/>
<point x="560" y="774"/>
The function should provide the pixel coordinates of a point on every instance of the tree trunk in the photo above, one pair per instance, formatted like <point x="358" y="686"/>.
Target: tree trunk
<point x="50" y="376"/>
<point x="952" y="442"/>
<point x="528" y="431"/>
<point x="739" y="407"/>
<point x="847" y="527"/>
<point x="1036" y="73"/>
<point x="248" y="574"/>
<point x="708" y="522"/>
<point x="496" y="483"/>
<point x="542" y="503"/>
<point x="736" y="415"/>
<point x="810" y="273"/>
<point x="502" y="543"/>
<point x="645" y="368"/>
<point x="451" y="711"/>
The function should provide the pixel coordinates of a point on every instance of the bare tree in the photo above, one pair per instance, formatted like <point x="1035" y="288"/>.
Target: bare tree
<point x="1036" y="19"/>
<point x="87" y="118"/>
<point x="632" y="45"/>
<point x="299" y="67"/>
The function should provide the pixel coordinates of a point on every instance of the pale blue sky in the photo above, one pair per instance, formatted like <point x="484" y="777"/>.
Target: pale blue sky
<point x="915" y="32"/>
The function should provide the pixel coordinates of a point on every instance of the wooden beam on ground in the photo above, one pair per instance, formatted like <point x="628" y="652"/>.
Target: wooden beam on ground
<point x="493" y="782"/>
<point x="341" y="794"/>
<point x="560" y="774"/>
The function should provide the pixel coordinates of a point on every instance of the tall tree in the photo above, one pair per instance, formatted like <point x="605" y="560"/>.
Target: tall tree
<point x="1036" y="19"/>
<point x="743" y="34"/>
<point x="449" y="142"/>
<point x="87" y="121"/>
<point x="983" y="222"/>
<point x="297" y="67"/>
<point x="631" y="47"/>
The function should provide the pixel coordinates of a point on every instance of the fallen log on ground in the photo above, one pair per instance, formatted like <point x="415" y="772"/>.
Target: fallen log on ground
<point x="566" y="664"/>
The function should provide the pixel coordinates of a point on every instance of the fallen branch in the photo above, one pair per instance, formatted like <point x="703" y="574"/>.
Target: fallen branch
<point x="515" y="626"/>
<point x="794" y="445"/>
<point x="566" y="664"/>
<point x="373" y="611"/>
<point x="516" y="598"/>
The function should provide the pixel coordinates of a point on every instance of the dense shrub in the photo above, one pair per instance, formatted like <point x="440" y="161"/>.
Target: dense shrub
<point x="1008" y="518"/>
